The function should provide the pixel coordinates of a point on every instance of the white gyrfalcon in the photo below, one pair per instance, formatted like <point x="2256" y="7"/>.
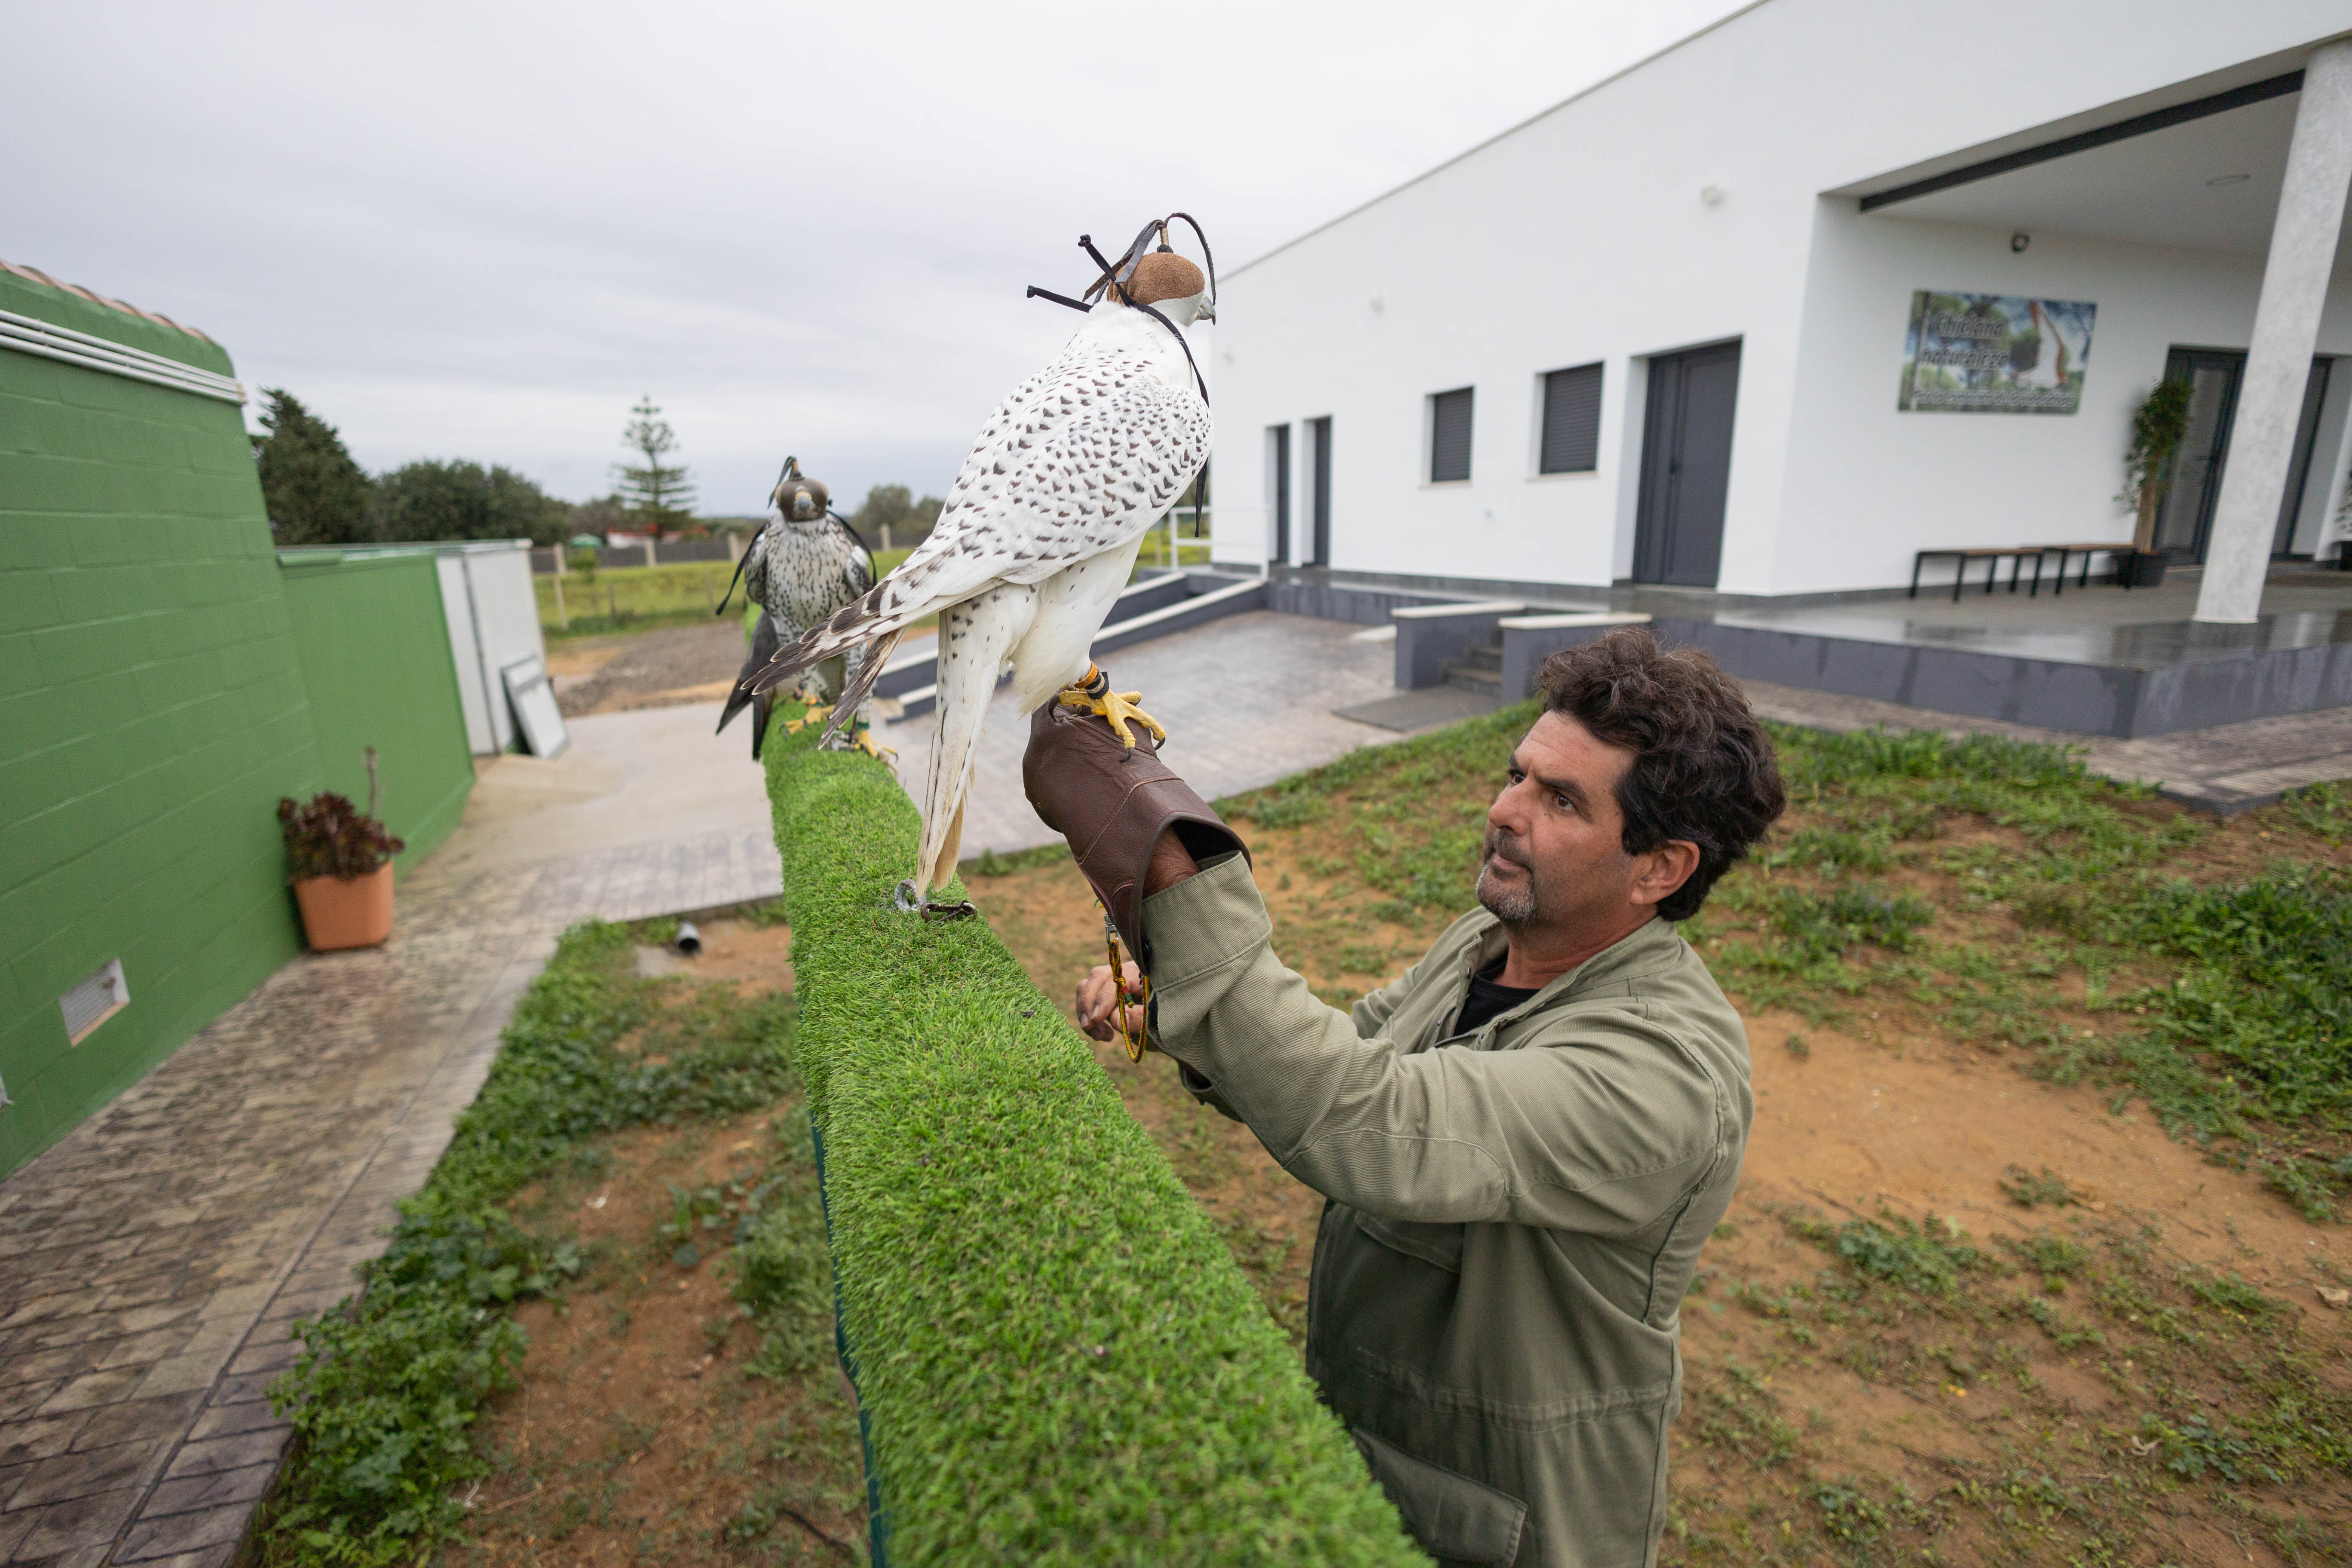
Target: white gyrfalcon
<point x="1040" y="531"/>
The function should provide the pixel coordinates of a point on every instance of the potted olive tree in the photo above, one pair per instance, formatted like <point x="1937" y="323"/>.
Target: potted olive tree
<point x="339" y="860"/>
<point x="2157" y="428"/>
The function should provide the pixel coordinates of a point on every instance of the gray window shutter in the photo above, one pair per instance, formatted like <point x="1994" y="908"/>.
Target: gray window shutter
<point x="1449" y="437"/>
<point x="1572" y="421"/>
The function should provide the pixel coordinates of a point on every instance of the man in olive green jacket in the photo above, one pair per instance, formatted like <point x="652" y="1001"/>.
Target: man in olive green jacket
<point x="1525" y="1139"/>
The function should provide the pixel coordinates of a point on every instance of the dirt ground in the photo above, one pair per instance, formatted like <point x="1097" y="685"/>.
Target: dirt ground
<point x="1882" y="1116"/>
<point x="638" y="1435"/>
<point x="655" y="668"/>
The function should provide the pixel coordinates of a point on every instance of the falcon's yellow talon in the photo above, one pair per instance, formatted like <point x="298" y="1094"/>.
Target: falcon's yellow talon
<point x="1119" y="707"/>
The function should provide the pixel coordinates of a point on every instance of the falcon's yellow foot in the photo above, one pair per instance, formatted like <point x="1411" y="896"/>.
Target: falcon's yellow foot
<point x="863" y="741"/>
<point x="1093" y="695"/>
<point x="814" y="715"/>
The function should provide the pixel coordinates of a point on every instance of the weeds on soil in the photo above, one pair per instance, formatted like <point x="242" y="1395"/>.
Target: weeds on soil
<point x="1992" y="886"/>
<point x="389" y="1385"/>
<point x="2218" y="1405"/>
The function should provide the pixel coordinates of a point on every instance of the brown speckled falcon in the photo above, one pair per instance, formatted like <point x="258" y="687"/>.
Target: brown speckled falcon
<point x="1040" y="531"/>
<point x="803" y="565"/>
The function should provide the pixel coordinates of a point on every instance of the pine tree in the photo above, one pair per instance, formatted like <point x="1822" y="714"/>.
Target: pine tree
<point x="313" y="491"/>
<point x="660" y="495"/>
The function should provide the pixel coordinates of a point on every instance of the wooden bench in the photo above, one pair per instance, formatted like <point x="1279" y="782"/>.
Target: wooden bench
<point x="2066" y="552"/>
<point x="1966" y="558"/>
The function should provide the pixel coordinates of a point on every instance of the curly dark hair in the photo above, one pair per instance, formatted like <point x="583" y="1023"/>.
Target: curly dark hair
<point x="1703" y="770"/>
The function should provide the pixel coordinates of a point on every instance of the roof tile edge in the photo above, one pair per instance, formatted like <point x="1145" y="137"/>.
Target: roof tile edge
<point x="34" y="275"/>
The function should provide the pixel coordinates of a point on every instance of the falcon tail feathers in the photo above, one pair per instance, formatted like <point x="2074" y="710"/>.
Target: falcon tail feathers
<point x="855" y="692"/>
<point x="764" y="648"/>
<point x="881" y="611"/>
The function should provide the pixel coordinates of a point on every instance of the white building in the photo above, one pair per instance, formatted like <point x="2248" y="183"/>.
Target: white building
<point x="1660" y="332"/>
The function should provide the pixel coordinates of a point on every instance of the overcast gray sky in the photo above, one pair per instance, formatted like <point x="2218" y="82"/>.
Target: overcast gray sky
<point x="482" y="230"/>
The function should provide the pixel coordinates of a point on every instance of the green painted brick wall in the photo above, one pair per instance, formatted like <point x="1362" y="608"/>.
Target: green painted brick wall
<point x="375" y="657"/>
<point x="161" y="685"/>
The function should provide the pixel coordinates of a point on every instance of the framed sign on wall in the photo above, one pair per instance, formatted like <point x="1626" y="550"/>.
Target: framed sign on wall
<point x="1995" y="354"/>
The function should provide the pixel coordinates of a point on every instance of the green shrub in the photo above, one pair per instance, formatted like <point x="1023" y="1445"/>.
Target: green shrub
<point x="1057" y="1359"/>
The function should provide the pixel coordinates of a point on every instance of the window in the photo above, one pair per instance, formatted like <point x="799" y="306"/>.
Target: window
<point x="1449" y="437"/>
<point x="1572" y="421"/>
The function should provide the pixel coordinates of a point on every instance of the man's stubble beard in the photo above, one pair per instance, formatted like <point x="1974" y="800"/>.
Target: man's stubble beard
<point x="1512" y="906"/>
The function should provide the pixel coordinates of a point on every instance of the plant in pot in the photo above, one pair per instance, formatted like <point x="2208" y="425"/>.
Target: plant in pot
<point x="2158" y="427"/>
<point x="339" y="861"/>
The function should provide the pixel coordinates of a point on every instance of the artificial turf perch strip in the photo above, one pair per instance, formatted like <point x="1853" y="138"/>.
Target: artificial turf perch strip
<point x="1057" y="1360"/>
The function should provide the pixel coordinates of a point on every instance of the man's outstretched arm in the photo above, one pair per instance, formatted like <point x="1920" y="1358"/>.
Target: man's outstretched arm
<point x="1601" y="1129"/>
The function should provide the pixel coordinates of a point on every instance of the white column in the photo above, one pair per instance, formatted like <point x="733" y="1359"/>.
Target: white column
<point x="2286" y="330"/>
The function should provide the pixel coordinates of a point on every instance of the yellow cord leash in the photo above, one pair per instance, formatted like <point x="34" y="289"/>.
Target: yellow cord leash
<point x="1133" y="1040"/>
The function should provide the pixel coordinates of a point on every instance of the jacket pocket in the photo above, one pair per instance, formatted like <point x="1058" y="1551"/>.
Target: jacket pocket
<point x="1432" y="1243"/>
<point x="1453" y="1517"/>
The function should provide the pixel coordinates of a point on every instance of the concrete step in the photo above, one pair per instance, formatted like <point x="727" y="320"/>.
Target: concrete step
<point x="1470" y="678"/>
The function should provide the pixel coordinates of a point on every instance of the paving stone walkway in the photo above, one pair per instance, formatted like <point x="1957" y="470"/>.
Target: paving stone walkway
<point x="150" y="1261"/>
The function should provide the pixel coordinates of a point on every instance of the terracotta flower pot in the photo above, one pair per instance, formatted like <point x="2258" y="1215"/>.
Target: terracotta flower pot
<point x="336" y="913"/>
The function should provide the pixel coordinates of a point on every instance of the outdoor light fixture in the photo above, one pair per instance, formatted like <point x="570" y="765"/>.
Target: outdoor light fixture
<point x="2020" y="240"/>
<point x="2229" y="179"/>
<point x="93" y="1002"/>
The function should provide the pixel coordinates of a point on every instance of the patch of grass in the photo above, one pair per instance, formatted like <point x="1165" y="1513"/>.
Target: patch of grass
<point x="632" y="598"/>
<point x="389" y="1386"/>
<point x="2325" y="809"/>
<point x="1832" y="850"/>
<point x="1928" y="1259"/>
<point x="1823" y="925"/>
<point x="783" y="1273"/>
<point x="2049" y="1255"/>
<point x="2028" y="1191"/>
<point x="2268" y="991"/>
<point x="989" y="863"/>
<point x="1058" y="1358"/>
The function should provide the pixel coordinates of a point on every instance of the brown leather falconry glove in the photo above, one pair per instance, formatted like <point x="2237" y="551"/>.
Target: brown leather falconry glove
<point x="1113" y="803"/>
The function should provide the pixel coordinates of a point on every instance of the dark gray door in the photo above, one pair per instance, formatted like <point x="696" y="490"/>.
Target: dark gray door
<point x="2184" y="520"/>
<point x="1318" y="441"/>
<point x="1686" y="467"/>
<point x="1281" y="461"/>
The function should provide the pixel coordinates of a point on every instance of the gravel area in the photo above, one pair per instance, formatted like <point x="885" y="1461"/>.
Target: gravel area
<point x="598" y="675"/>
